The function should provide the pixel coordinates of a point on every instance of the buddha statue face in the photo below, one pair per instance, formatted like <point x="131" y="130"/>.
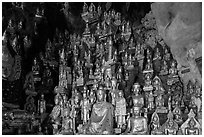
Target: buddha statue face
<point x="136" y="111"/>
<point x="120" y="93"/>
<point x="155" y="119"/>
<point x="192" y="123"/>
<point x="100" y="95"/>
<point x="171" y="123"/>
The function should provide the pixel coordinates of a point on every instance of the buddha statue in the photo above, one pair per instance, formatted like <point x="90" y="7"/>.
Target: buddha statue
<point x="159" y="101"/>
<point x="192" y="130"/>
<point x="98" y="30"/>
<point x="85" y="106"/>
<point x="120" y="110"/>
<point x="137" y="124"/>
<point x="167" y="55"/>
<point x="101" y="120"/>
<point x="155" y="125"/>
<point x="36" y="67"/>
<point x="150" y="99"/>
<point x="99" y="11"/>
<point x="67" y="123"/>
<point x="173" y="73"/>
<point x="132" y="44"/>
<point x="157" y="84"/>
<point x="113" y="90"/>
<point x="170" y="127"/>
<point x="157" y="60"/>
<point x="148" y="83"/>
<point x="56" y="113"/>
<point x="177" y="114"/>
<point x="130" y="62"/>
<point x="198" y="92"/>
<point x="164" y="68"/>
<point x="92" y="97"/>
<point x="138" y="99"/>
<point x="148" y="67"/>
<point x="191" y="126"/>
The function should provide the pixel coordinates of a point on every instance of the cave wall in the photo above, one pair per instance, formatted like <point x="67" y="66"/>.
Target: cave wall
<point x="180" y="25"/>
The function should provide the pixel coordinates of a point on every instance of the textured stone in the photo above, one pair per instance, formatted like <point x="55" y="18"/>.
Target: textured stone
<point x="180" y="25"/>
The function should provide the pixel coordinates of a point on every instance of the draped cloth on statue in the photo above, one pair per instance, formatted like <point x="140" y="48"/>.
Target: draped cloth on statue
<point x="101" y="120"/>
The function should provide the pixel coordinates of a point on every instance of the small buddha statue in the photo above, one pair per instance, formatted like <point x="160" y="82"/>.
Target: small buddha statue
<point x="36" y="68"/>
<point x="117" y="21"/>
<point x="56" y="112"/>
<point x="101" y="120"/>
<point x="148" y="83"/>
<point x="85" y="105"/>
<point x="155" y="125"/>
<point x="92" y="97"/>
<point x="41" y="105"/>
<point x="120" y="110"/>
<point x="127" y="31"/>
<point x="98" y="30"/>
<point x="150" y="99"/>
<point x="138" y="99"/>
<point x="164" y="68"/>
<point x="149" y="54"/>
<point x="198" y="92"/>
<point x="159" y="101"/>
<point x="170" y="127"/>
<point x="85" y="8"/>
<point x="173" y="69"/>
<point x="192" y="130"/>
<point x="157" y="60"/>
<point x="166" y="54"/>
<point x="132" y="44"/>
<point x="191" y="126"/>
<point x="67" y="126"/>
<point x="157" y="84"/>
<point x="177" y="113"/>
<point x="130" y="63"/>
<point x="114" y="90"/>
<point x="87" y="30"/>
<point x="148" y="67"/>
<point x="99" y="11"/>
<point x="137" y="124"/>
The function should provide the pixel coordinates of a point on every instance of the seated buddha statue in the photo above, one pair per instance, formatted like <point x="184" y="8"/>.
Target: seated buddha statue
<point x="138" y="99"/>
<point x="159" y="101"/>
<point x="148" y="67"/>
<point x="101" y="120"/>
<point x="177" y="113"/>
<point x="170" y="127"/>
<point x="148" y="83"/>
<point x="164" y="68"/>
<point x="155" y="125"/>
<point x="191" y="126"/>
<point x="173" y="73"/>
<point x="137" y="124"/>
<point x="191" y="130"/>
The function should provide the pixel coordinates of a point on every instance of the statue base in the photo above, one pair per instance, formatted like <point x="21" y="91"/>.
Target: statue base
<point x="117" y="130"/>
<point x="161" y="110"/>
<point x="148" y="88"/>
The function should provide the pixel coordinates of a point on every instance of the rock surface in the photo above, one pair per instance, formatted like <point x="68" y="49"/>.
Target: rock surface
<point x="180" y="25"/>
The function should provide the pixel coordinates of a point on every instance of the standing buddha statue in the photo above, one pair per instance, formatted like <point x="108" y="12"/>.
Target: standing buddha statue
<point x="85" y="105"/>
<point x="120" y="110"/>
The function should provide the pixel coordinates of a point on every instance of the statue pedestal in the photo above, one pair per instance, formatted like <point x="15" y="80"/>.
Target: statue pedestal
<point x="117" y="130"/>
<point x="161" y="110"/>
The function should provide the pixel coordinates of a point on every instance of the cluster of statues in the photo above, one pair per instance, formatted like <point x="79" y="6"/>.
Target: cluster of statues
<point x="107" y="97"/>
<point x="101" y="71"/>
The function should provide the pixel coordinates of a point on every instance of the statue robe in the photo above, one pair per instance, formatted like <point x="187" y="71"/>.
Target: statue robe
<point x="101" y="120"/>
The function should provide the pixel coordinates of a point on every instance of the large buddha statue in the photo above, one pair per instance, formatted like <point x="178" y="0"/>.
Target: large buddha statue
<point x="137" y="124"/>
<point x="101" y="120"/>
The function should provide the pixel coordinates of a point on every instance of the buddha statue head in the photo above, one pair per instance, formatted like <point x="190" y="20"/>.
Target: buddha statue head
<point x="136" y="88"/>
<point x="136" y="111"/>
<point x="120" y="93"/>
<point x="100" y="94"/>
